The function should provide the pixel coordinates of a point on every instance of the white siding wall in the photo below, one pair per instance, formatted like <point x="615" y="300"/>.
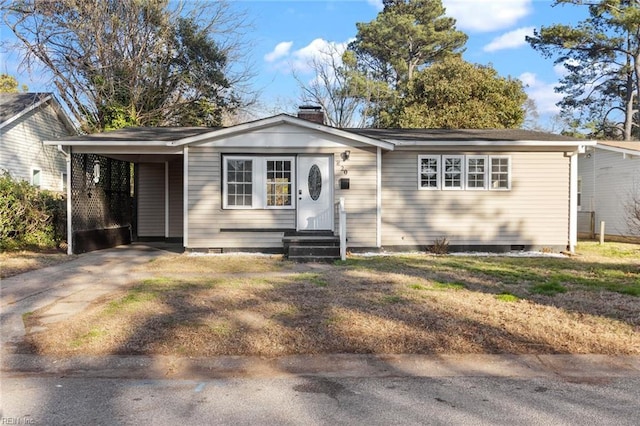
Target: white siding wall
<point x="534" y="212"/>
<point x="207" y="217"/>
<point x="608" y="180"/>
<point x="175" y="198"/>
<point x="151" y="201"/>
<point x="21" y="148"/>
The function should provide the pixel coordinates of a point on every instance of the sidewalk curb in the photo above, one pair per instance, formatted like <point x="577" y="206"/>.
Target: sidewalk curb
<point x="562" y="367"/>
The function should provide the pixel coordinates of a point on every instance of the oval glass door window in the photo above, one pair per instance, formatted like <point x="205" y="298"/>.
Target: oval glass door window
<point x="315" y="182"/>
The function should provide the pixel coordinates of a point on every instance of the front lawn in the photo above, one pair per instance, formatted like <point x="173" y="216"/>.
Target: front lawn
<point x="417" y="303"/>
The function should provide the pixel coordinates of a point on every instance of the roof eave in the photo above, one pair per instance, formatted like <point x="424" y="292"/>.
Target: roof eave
<point x="618" y="149"/>
<point x="26" y="111"/>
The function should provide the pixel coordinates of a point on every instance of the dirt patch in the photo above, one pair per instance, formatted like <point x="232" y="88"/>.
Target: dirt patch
<point x="403" y="304"/>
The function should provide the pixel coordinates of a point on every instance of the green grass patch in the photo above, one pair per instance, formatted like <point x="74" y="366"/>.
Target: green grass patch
<point x="610" y="250"/>
<point x="550" y="288"/>
<point x="418" y="287"/>
<point x="507" y="297"/>
<point x="312" y="278"/>
<point x="87" y="338"/>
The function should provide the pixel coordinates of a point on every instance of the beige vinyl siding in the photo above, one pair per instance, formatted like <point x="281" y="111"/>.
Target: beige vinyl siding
<point x="608" y="180"/>
<point x="360" y="198"/>
<point x="534" y="212"/>
<point x="176" y="207"/>
<point x="21" y="148"/>
<point x="209" y="223"/>
<point x="151" y="200"/>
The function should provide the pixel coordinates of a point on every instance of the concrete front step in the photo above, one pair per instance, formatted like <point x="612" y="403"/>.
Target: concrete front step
<point x="312" y="247"/>
<point x="314" y="251"/>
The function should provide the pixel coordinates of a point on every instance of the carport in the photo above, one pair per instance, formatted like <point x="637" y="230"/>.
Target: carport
<point x="124" y="186"/>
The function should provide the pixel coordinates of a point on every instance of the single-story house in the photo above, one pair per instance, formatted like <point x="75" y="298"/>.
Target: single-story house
<point x="26" y="119"/>
<point x="608" y="181"/>
<point x="253" y="186"/>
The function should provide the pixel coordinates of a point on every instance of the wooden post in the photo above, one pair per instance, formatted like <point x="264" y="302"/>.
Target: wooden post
<point x="343" y="229"/>
<point x="602" y="232"/>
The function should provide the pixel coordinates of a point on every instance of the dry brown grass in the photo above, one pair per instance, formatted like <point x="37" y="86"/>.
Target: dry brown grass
<point x="403" y="304"/>
<point x="18" y="262"/>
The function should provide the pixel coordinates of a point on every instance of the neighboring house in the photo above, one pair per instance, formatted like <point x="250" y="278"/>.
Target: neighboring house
<point x="26" y="119"/>
<point x="608" y="180"/>
<point x="250" y="186"/>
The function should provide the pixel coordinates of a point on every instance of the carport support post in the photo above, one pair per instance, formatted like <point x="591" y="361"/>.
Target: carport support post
<point x="67" y="157"/>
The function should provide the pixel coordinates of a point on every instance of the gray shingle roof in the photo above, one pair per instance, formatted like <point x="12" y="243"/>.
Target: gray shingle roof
<point x="12" y="104"/>
<point x="459" y="135"/>
<point x="144" y="134"/>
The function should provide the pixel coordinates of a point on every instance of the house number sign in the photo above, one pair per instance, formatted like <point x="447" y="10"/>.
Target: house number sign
<point x="315" y="182"/>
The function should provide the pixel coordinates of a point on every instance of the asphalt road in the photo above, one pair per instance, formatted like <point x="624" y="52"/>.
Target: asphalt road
<point x="316" y="400"/>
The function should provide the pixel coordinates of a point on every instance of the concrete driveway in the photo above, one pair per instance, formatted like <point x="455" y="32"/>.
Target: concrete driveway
<point x="66" y="289"/>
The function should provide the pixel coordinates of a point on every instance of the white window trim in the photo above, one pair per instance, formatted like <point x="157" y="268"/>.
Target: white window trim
<point x="468" y="173"/>
<point x="258" y="182"/>
<point x="438" y="159"/>
<point x="462" y="174"/>
<point x="39" y="170"/>
<point x="63" y="181"/>
<point x="225" y="167"/>
<point x="491" y="158"/>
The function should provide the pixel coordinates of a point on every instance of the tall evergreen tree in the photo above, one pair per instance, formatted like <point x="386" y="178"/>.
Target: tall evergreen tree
<point x="602" y="57"/>
<point x="406" y="36"/>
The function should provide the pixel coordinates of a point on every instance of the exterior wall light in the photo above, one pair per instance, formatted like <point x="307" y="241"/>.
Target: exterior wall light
<point x="345" y="155"/>
<point x="96" y="171"/>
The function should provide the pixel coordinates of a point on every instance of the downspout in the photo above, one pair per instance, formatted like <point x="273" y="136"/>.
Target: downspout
<point x="379" y="197"/>
<point x="67" y="157"/>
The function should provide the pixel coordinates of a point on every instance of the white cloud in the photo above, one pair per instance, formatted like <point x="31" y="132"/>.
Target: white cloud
<point x="301" y="60"/>
<point x="542" y="93"/>
<point x="487" y="15"/>
<point x="376" y="3"/>
<point x="511" y="40"/>
<point x="282" y="49"/>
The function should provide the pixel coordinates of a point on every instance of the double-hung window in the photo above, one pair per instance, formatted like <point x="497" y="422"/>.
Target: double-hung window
<point x="464" y="172"/>
<point x="279" y="181"/>
<point x="238" y="182"/>
<point x="257" y="182"/>
<point x="429" y="171"/>
<point x="500" y="172"/>
<point x="452" y="171"/>
<point x="476" y="172"/>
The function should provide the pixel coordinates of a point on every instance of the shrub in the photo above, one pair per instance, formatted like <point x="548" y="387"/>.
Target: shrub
<point x="440" y="246"/>
<point x="29" y="217"/>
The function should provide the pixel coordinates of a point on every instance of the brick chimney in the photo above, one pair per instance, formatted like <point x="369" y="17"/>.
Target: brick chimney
<point x="311" y="113"/>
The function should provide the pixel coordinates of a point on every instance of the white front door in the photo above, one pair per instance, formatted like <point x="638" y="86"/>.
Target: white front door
<point x="315" y="193"/>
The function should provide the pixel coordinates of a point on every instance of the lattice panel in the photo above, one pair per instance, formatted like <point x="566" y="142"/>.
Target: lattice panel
<point x="102" y="204"/>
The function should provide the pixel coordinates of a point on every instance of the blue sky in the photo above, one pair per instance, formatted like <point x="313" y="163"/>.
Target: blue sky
<point x="287" y="35"/>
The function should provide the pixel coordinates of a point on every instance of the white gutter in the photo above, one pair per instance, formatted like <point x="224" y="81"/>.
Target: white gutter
<point x="444" y="144"/>
<point x="67" y="157"/>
